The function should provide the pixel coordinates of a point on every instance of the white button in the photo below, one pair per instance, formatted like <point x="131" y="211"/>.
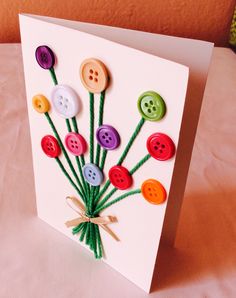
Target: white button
<point x="65" y="101"/>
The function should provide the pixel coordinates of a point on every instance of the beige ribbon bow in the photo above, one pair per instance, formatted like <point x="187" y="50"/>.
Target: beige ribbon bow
<point x="102" y="221"/>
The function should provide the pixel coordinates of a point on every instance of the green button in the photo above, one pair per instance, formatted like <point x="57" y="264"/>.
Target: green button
<point x="151" y="106"/>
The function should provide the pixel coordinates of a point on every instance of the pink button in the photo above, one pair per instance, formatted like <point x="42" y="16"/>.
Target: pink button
<point x="75" y="143"/>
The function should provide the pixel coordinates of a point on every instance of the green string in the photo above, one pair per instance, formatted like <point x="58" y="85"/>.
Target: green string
<point x="53" y="75"/>
<point x="140" y="163"/>
<point x="79" y="162"/>
<point x="100" y="122"/>
<point x="77" y="229"/>
<point x="91" y="109"/>
<point x="104" y="155"/>
<point x="107" y="197"/>
<point x="68" y="176"/>
<point x="68" y="125"/>
<point x="131" y="140"/>
<point x="105" y="187"/>
<point x="99" y="242"/>
<point x="64" y="151"/>
<point x="83" y="232"/>
<point x="130" y="193"/>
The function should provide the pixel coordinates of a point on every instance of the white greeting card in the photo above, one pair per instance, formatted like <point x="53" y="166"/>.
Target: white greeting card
<point x="125" y="91"/>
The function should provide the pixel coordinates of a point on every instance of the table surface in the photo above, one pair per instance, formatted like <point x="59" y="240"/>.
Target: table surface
<point x="37" y="261"/>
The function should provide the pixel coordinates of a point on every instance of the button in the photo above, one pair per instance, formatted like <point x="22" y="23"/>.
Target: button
<point x="151" y="106"/>
<point x="93" y="75"/>
<point x="153" y="191"/>
<point x="92" y="174"/>
<point x="65" y="101"/>
<point x="160" y="146"/>
<point x="120" y="177"/>
<point x="108" y="137"/>
<point x="40" y="103"/>
<point x="75" y="143"/>
<point x="50" y="146"/>
<point x="45" y="57"/>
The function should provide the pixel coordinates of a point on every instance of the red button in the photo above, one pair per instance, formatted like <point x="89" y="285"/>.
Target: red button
<point x="120" y="177"/>
<point x="50" y="146"/>
<point x="75" y="143"/>
<point x="160" y="146"/>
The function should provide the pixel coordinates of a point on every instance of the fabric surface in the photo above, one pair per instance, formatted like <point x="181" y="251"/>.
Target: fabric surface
<point x="37" y="261"/>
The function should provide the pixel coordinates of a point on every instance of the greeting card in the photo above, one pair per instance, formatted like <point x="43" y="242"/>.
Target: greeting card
<point x="113" y="115"/>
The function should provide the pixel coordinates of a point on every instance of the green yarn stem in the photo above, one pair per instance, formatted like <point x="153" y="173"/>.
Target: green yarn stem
<point x="53" y="75"/>
<point x="105" y="187"/>
<point x="131" y="140"/>
<point x="91" y="109"/>
<point x="77" y="229"/>
<point x="140" y="163"/>
<point x="100" y="122"/>
<point x="87" y="238"/>
<point x="83" y="232"/>
<point x="64" y="151"/>
<point x="99" y="242"/>
<point x="68" y="125"/>
<point x="107" y="197"/>
<point x="130" y="193"/>
<point x="68" y="177"/>
<point x="79" y="162"/>
<point x="104" y="155"/>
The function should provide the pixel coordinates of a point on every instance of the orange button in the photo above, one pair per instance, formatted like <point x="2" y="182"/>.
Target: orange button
<point x="40" y="103"/>
<point x="94" y="76"/>
<point x="153" y="191"/>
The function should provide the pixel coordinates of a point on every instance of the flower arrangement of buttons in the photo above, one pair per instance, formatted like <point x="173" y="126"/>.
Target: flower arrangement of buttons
<point x="89" y="179"/>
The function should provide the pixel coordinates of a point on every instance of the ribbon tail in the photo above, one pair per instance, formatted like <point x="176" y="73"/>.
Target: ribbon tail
<point x="110" y="232"/>
<point x="75" y="222"/>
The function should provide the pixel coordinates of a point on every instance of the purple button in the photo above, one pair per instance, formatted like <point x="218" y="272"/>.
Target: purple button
<point x="108" y="137"/>
<point x="45" y="57"/>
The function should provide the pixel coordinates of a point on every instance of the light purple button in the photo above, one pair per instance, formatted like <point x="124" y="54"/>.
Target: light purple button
<point x="45" y="57"/>
<point x="108" y="137"/>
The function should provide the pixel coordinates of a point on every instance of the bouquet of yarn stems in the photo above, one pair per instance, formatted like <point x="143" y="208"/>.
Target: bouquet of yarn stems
<point x="87" y="178"/>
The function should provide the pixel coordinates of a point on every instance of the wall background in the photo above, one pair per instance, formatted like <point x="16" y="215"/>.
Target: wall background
<point x="201" y="19"/>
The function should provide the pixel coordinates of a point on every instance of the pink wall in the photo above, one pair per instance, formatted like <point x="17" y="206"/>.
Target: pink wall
<point x="201" y="19"/>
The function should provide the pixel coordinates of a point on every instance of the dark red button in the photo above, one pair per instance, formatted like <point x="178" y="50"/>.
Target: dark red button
<point x="120" y="177"/>
<point x="160" y="146"/>
<point x="50" y="146"/>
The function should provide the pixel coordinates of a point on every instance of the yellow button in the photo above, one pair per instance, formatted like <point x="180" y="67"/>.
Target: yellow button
<point x="153" y="191"/>
<point x="94" y="76"/>
<point x="40" y="103"/>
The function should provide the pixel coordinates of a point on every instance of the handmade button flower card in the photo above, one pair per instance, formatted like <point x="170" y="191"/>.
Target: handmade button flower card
<point x="113" y="115"/>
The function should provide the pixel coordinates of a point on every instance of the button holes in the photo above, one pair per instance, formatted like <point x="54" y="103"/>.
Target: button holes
<point x="146" y="104"/>
<point x="93" y="178"/>
<point x="110" y="138"/>
<point x="151" y="102"/>
<point x="107" y="141"/>
<point x="77" y="147"/>
<point x="91" y="71"/>
<point x="60" y="97"/>
<point x="60" y="102"/>
<point x="122" y="180"/>
<point x="96" y="73"/>
<point x="160" y="151"/>
<point x="51" y="144"/>
<point x="90" y="171"/>
<point x="39" y="106"/>
<point x="106" y="134"/>
<point x="95" y="80"/>
<point x="66" y="99"/>
<point x="76" y="142"/>
<point x="155" y="194"/>
<point x="48" y="147"/>
<point x="103" y="137"/>
<point x="66" y="106"/>
<point x="71" y="141"/>
<point x="120" y="175"/>
<point x="162" y="146"/>
<point x="158" y="143"/>
<point x="115" y="175"/>
<point x="149" y="111"/>
<point x="154" y="108"/>
<point x="90" y="77"/>
<point x="89" y="175"/>
<point x="150" y="194"/>
<point x="155" y="147"/>
<point x="72" y="146"/>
